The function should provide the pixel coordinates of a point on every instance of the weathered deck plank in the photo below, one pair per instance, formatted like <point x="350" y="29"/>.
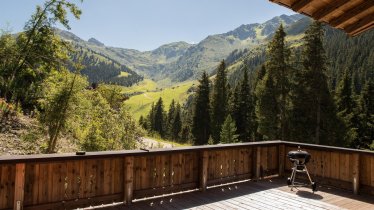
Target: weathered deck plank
<point x="265" y="194"/>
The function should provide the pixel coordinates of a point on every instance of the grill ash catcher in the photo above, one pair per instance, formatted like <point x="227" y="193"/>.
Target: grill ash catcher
<point x="300" y="158"/>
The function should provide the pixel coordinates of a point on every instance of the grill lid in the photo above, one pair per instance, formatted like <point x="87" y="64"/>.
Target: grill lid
<point x="299" y="154"/>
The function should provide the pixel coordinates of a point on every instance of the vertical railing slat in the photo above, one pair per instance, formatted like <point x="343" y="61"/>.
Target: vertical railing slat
<point x="281" y="158"/>
<point x="128" y="179"/>
<point x="204" y="158"/>
<point x="356" y="172"/>
<point x="19" y="186"/>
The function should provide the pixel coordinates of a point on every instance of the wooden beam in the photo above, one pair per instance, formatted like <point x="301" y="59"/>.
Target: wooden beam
<point x="281" y="158"/>
<point x="328" y="9"/>
<point x="301" y="4"/>
<point x="356" y="172"/>
<point x="364" y="22"/>
<point x="204" y="161"/>
<point x="19" y="186"/>
<point x="352" y="13"/>
<point x="275" y="1"/>
<point x="362" y="30"/>
<point x="128" y="179"/>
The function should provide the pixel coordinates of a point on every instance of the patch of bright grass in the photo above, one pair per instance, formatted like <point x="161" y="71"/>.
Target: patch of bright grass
<point x="141" y="104"/>
<point x="175" y="144"/>
<point x="124" y="74"/>
<point x="143" y="86"/>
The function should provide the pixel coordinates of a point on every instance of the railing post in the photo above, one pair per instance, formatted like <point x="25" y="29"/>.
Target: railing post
<point x="204" y="160"/>
<point x="356" y="172"/>
<point x="19" y="186"/>
<point x="258" y="162"/>
<point x="281" y="158"/>
<point x="128" y="179"/>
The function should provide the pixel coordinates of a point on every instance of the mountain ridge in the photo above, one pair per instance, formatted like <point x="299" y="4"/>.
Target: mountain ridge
<point x="181" y="61"/>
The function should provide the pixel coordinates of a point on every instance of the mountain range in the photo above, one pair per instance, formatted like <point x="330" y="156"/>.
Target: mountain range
<point x="180" y="61"/>
<point x="244" y="46"/>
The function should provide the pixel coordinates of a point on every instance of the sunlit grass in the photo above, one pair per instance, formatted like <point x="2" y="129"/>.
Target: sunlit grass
<point x="166" y="141"/>
<point x="143" y="86"/>
<point x="141" y="104"/>
<point x="124" y="74"/>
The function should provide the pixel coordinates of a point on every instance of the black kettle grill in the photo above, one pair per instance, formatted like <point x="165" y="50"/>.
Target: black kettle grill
<point x="299" y="159"/>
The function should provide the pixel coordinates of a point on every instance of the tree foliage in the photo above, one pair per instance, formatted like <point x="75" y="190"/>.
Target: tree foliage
<point x="219" y="101"/>
<point x="201" y="112"/>
<point x="36" y="51"/>
<point x="278" y="66"/>
<point x="266" y="110"/>
<point x="228" y="132"/>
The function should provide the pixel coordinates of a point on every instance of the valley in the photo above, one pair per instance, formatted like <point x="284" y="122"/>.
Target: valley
<point x="172" y="69"/>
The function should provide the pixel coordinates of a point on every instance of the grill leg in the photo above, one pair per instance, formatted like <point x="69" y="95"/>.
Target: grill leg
<point x="307" y="172"/>
<point x="294" y="172"/>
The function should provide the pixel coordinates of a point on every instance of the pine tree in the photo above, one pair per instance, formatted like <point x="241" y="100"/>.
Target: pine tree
<point x="151" y="118"/>
<point x="228" y="133"/>
<point x="159" y="117"/>
<point x="313" y="113"/>
<point x="344" y="94"/>
<point x="234" y="104"/>
<point x="177" y="123"/>
<point x="267" y="109"/>
<point x="170" y="119"/>
<point x="201" y="113"/>
<point x="219" y="101"/>
<point x="278" y="66"/>
<point x="346" y="109"/>
<point x="245" y="123"/>
<point x="366" y="116"/>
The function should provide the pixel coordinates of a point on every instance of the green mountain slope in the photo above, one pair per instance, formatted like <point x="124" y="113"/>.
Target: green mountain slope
<point x="206" y="55"/>
<point x="343" y="52"/>
<point x="181" y="61"/>
<point x="98" y="67"/>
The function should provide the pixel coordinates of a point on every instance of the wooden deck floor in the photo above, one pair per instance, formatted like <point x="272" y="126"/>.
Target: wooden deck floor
<point x="265" y="194"/>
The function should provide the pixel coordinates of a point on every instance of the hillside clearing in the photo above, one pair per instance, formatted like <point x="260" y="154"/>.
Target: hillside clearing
<point x="141" y="104"/>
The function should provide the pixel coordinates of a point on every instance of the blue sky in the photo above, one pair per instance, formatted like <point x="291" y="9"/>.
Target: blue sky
<point x="147" y="24"/>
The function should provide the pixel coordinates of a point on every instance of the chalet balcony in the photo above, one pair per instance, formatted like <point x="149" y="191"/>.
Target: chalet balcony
<point x="232" y="176"/>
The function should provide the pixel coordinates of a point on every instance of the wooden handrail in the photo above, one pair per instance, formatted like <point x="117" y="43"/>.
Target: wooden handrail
<point x="70" y="180"/>
<point x="327" y="148"/>
<point x="122" y="153"/>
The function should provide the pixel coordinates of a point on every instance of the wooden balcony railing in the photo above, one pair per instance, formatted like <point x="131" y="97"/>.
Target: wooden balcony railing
<point x="65" y="181"/>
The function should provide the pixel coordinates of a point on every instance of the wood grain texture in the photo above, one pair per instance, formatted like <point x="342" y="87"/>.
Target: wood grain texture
<point x="84" y="181"/>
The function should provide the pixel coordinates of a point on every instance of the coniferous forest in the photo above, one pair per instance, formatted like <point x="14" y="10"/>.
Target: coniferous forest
<point x="318" y="89"/>
<point x="294" y="94"/>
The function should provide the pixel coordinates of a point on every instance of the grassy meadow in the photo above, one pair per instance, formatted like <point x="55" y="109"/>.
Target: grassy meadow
<point x="150" y="93"/>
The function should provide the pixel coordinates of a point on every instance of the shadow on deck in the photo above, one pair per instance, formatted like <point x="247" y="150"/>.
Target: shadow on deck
<point x="265" y="194"/>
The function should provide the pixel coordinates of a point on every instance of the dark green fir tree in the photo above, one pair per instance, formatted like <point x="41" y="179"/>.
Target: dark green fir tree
<point x="219" y="101"/>
<point x="266" y="109"/>
<point x="201" y="112"/>
<point x="176" y="127"/>
<point x="366" y="116"/>
<point x="245" y="119"/>
<point x="278" y="66"/>
<point x="346" y="108"/>
<point x="159" y="117"/>
<point x="313" y="113"/>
